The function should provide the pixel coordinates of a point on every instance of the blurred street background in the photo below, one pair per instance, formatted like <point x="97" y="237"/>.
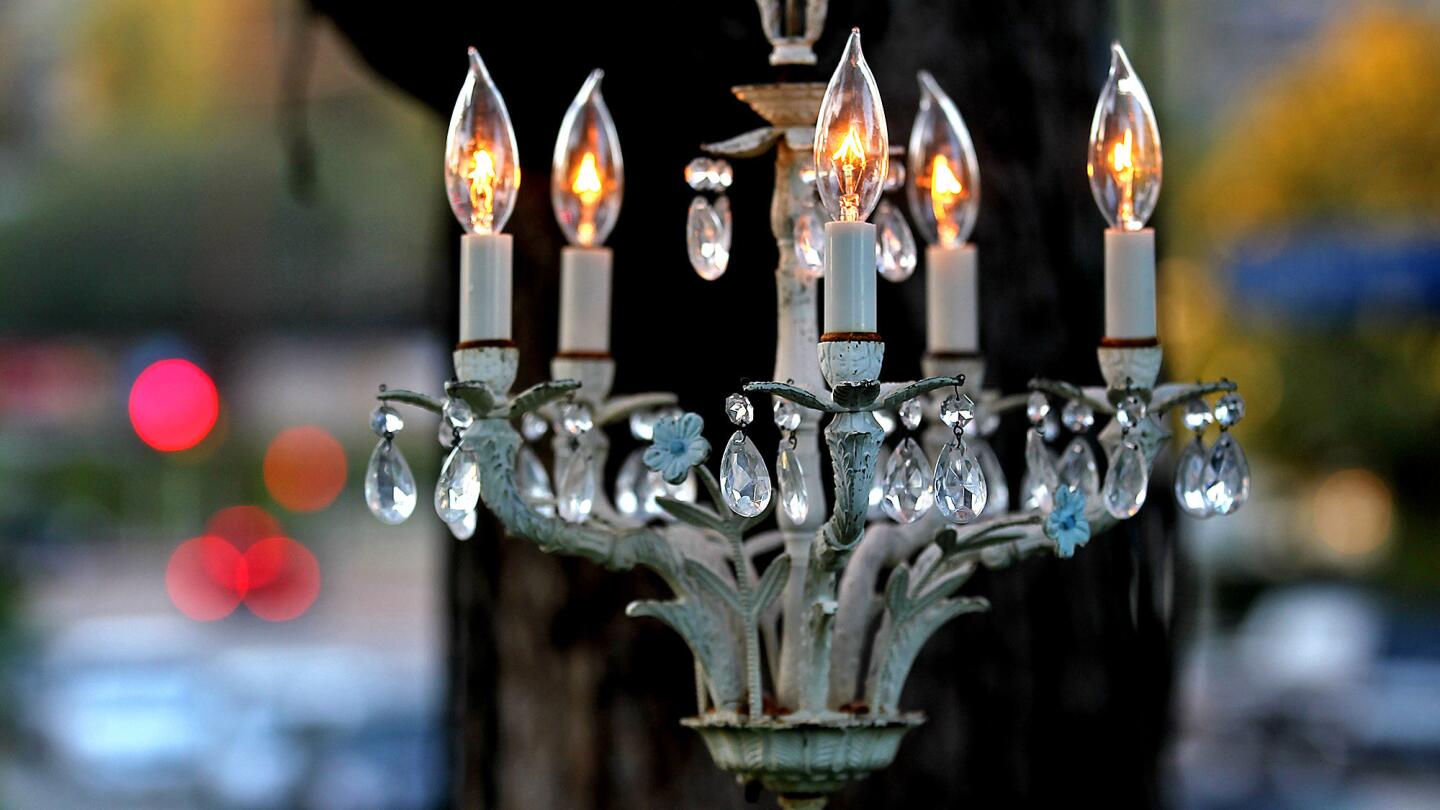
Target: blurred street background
<point x="170" y="191"/>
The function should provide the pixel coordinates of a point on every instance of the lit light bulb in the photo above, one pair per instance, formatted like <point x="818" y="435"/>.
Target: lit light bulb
<point x="852" y="147"/>
<point x="944" y="188"/>
<point x="1124" y="164"/>
<point x="482" y="167"/>
<point x="587" y="174"/>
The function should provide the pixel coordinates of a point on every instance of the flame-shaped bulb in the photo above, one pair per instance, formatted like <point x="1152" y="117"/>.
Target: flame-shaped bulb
<point x="587" y="176"/>
<point x="1124" y="164"/>
<point x="852" y="146"/>
<point x="482" y="166"/>
<point x="944" y="188"/>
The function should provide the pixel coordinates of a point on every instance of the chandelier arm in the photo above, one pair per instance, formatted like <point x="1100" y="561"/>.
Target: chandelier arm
<point x="1169" y="395"/>
<point x="694" y="615"/>
<point x="884" y="546"/>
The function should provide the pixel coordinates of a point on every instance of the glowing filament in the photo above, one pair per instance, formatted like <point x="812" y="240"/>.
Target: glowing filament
<point x="850" y="157"/>
<point x="1122" y="167"/>
<point x="946" y="191"/>
<point x="480" y="174"/>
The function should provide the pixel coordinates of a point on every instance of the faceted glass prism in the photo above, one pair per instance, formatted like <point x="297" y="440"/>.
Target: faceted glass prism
<point x="1077" y="416"/>
<point x="1190" y="480"/>
<point x="957" y="411"/>
<point x="534" y="482"/>
<point x="908" y="490"/>
<point x="739" y="410"/>
<point x="895" y="254"/>
<point x="911" y="413"/>
<point x="1197" y="415"/>
<point x="389" y="485"/>
<point x="960" y="489"/>
<point x="787" y="415"/>
<point x="744" y="480"/>
<point x="1042" y="478"/>
<point x="1079" y="468"/>
<point x="1126" y="482"/>
<point x="1229" y="410"/>
<point x="1227" y="476"/>
<point x="458" y="489"/>
<point x="575" y="497"/>
<point x="1037" y="406"/>
<point x="794" y="500"/>
<point x="385" y="420"/>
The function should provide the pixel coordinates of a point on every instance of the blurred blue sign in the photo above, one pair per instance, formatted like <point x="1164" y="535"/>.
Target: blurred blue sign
<point x="1322" y="275"/>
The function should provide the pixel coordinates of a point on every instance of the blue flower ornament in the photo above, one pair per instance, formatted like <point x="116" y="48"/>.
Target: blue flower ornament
<point x="1066" y="523"/>
<point x="677" y="446"/>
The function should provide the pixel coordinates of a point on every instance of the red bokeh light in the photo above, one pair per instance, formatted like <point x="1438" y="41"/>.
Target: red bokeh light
<point x="284" y="579"/>
<point x="305" y="468"/>
<point x="201" y="578"/>
<point x="277" y="578"/>
<point x="173" y="405"/>
<point x="243" y="526"/>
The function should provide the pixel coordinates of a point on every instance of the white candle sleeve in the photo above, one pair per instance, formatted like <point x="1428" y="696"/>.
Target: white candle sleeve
<point x="585" y="300"/>
<point x="1130" y="283"/>
<point x="485" y="271"/>
<point x="849" y="277"/>
<point x="952" y="301"/>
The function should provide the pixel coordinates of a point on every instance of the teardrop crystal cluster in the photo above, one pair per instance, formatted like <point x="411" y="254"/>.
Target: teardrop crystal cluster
<point x="389" y="484"/>
<point x="1214" y="481"/>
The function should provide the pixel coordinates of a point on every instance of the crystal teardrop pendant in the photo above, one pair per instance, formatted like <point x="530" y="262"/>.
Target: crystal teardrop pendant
<point x="1227" y="476"/>
<point x="389" y="486"/>
<point x="791" y="478"/>
<point x="458" y="490"/>
<point x="576" y="495"/>
<point x="464" y="528"/>
<point x="629" y="483"/>
<point x="1040" y="473"/>
<point x="534" y="482"/>
<point x="1126" y="482"/>
<point x="908" y="491"/>
<point x="704" y="230"/>
<point x="744" y="480"/>
<point x="810" y="243"/>
<point x="998" y="502"/>
<point x="1190" y="480"/>
<point x="895" y="256"/>
<point x="960" y="490"/>
<point x="482" y="167"/>
<point x="1078" y="467"/>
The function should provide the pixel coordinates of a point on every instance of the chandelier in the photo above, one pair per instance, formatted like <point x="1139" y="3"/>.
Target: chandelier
<point x="797" y="684"/>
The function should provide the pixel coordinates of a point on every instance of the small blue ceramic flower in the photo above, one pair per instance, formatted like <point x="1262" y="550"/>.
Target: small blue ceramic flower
<point x="1066" y="523"/>
<point x="677" y="446"/>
